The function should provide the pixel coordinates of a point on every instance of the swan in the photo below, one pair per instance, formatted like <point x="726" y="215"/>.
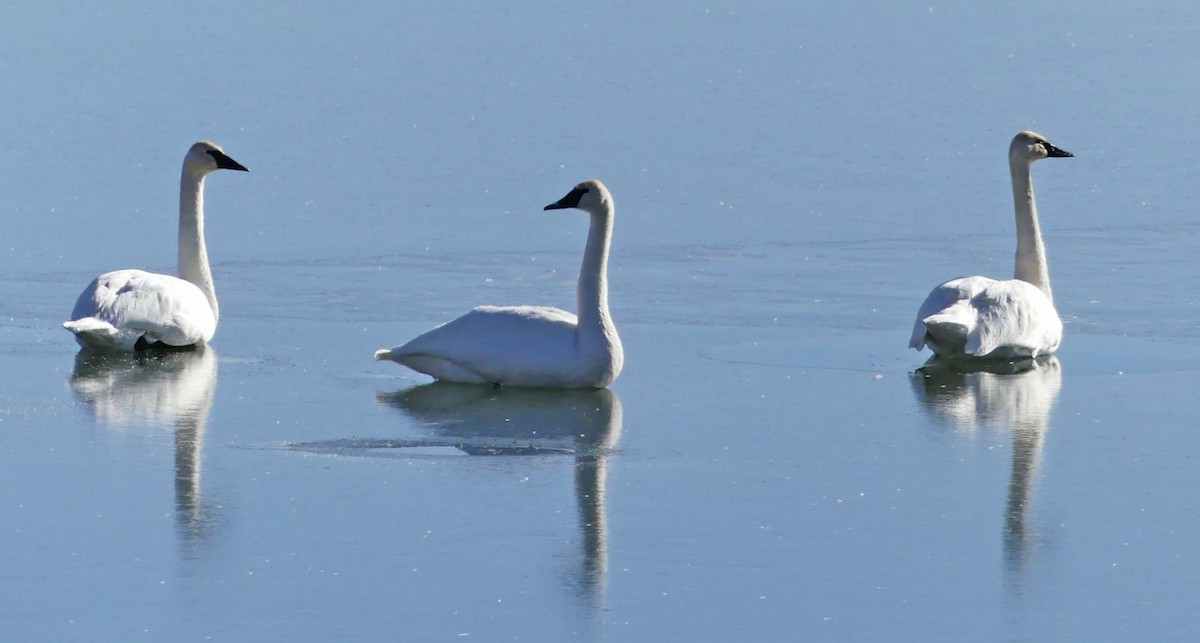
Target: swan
<point x="980" y="317"/>
<point x="133" y="310"/>
<point x="533" y="346"/>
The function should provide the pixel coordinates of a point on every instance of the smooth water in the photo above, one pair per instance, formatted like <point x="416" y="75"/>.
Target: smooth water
<point x="790" y="181"/>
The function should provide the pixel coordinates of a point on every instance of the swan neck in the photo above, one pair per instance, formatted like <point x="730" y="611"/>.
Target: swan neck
<point x="193" y="255"/>
<point x="1031" y="265"/>
<point x="592" y="293"/>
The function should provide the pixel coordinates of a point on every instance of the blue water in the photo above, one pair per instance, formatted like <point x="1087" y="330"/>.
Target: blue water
<point x="790" y="182"/>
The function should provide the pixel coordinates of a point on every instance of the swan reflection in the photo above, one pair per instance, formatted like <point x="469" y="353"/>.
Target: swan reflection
<point x="154" y="390"/>
<point x="496" y="422"/>
<point x="1008" y="396"/>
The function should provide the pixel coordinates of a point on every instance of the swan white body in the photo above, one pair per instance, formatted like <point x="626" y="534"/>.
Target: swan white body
<point x="533" y="346"/>
<point x="127" y="310"/>
<point x="980" y="317"/>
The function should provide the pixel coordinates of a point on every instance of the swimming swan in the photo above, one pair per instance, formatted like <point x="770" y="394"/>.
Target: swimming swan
<point x="128" y="310"/>
<point x="979" y="317"/>
<point x="533" y="346"/>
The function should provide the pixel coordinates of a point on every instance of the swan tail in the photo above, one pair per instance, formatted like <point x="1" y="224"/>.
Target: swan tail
<point x="948" y="331"/>
<point x="101" y="335"/>
<point x="918" y="337"/>
<point x="440" y="368"/>
<point x="945" y="331"/>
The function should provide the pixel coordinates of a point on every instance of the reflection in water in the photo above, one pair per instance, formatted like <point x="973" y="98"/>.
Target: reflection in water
<point x="486" y="421"/>
<point x="1009" y="396"/>
<point x="152" y="390"/>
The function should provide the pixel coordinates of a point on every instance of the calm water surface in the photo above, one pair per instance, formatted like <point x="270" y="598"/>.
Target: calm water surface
<point x="790" y="182"/>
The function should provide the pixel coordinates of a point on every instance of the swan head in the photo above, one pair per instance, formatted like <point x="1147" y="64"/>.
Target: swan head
<point x="1030" y="146"/>
<point x="205" y="157"/>
<point x="589" y="196"/>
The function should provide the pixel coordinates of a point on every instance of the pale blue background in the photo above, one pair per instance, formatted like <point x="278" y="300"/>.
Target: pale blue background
<point x="791" y="179"/>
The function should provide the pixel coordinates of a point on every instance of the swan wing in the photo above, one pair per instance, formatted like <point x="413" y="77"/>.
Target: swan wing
<point x="119" y="307"/>
<point x="946" y="315"/>
<point x="1015" y="319"/>
<point x="519" y="345"/>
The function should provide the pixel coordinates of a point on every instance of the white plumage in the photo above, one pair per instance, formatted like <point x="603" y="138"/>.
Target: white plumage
<point x="980" y="317"/>
<point x="120" y="307"/>
<point x="533" y="346"/>
<point x="984" y="317"/>
<point x="127" y="310"/>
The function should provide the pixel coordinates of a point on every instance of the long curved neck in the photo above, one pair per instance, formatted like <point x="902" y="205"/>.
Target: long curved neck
<point x="1031" y="253"/>
<point x="193" y="256"/>
<point x="591" y="297"/>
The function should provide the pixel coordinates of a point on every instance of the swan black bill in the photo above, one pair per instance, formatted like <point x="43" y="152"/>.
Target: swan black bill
<point x="226" y="163"/>
<point x="1054" y="152"/>
<point x="569" y="201"/>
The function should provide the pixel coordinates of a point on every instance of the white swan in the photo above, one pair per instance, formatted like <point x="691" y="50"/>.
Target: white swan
<point x="127" y="310"/>
<point x="979" y="317"/>
<point x="533" y="346"/>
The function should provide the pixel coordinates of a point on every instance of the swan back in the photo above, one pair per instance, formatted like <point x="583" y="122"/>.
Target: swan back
<point x="978" y="317"/>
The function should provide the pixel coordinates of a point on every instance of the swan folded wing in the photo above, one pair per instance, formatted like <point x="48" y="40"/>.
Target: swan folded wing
<point x="945" y="306"/>
<point x="1016" y="319"/>
<point x="525" y="345"/>
<point x="138" y="303"/>
<point x="101" y="335"/>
